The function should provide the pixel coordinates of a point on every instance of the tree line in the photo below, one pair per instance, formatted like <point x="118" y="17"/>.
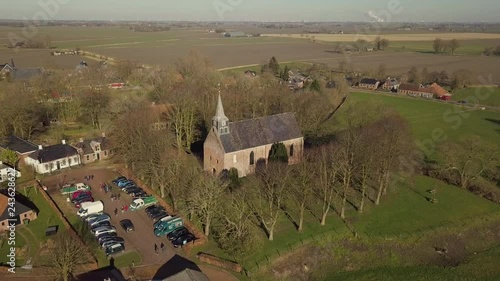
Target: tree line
<point x="439" y="45"/>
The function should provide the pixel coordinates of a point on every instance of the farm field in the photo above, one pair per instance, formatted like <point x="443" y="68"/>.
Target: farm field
<point x="390" y="37"/>
<point x="162" y="48"/>
<point x="467" y="47"/>
<point x="426" y="117"/>
<point x="475" y="96"/>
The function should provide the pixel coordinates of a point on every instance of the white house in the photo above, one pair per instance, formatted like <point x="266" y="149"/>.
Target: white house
<point x="52" y="158"/>
<point x="4" y="172"/>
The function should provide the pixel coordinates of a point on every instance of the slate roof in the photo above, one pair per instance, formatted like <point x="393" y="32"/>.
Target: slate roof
<point x="20" y="207"/>
<point x="86" y="145"/>
<point x="107" y="273"/>
<point x="188" y="275"/>
<point x="19" y="145"/>
<point x="22" y="74"/>
<point x="53" y="152"/>
<point x="410" y="87"/>
<point x="368" y="81"/>
<point x="260" y="131"/>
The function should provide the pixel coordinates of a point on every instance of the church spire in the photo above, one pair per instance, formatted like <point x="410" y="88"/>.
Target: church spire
<point x="220" y="122"/>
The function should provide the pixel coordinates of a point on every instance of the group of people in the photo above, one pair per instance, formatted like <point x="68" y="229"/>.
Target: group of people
<point x="124" y="209"/>
<point x="88" y="178"/>
<point x="161" y="248"/>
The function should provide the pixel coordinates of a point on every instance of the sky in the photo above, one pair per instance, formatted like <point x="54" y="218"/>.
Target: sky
<point x="255" y="10"/>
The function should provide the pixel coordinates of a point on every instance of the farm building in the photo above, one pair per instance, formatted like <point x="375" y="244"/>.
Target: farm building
<point x="369" y="83"/>
<point x="95" y="149"/>
<point x="24" y="212"/>
<point x="390" y="84"/>
<point x="241" y="145"/>
<point x="430" y="92"/>
<point x="53" y="158"/>
<point x="235" y="34"/>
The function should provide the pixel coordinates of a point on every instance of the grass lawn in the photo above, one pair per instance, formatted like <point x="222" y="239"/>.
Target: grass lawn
<point x="483" y="266"/>
<point x="406" y="209"/>
<point x="427" y="118"/>
<point x="481" y="96"/>
<point x="257" y="67"/>
<point x="33" y="234"/>
<point x="467" y="47"/>
<point x="121" y="261"/>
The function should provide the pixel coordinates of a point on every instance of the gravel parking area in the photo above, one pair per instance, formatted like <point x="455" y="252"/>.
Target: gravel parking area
<point x="142" y="239"/>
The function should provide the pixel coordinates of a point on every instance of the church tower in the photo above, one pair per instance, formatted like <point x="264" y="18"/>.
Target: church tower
<point x="220" y="122"/>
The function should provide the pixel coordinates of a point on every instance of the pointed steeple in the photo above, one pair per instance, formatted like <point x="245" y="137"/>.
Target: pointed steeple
<point x="220" y="122"/>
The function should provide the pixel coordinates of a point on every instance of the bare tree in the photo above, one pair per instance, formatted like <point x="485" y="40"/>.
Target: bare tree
<point x="469" y="158"/>
<point x="438" y="45"/>
<point x="270" y="194"/>
<point x="452" y="45"/>
<point x="94" y="104"/>
<point x="67" y="254"/>
<point x="302" y="186"/>
<point x="326" y="173"/>
<point x="207" y="197"/>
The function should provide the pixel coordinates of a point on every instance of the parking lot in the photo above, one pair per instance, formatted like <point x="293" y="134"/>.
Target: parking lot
<point x="142" y="239"/>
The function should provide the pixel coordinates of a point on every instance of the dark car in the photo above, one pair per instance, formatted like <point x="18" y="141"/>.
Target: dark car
<point x="183" y="240"/>
<point x="140" y="194"/>
<point x="114" y="249"/>
<point x="127" y="225"/>
<point x="124" y="183"/>
<point x="177" y="233"/>
<point x="112" y="240"/>
<point x="133" y="191"/>
<point x="128" y="187"/>
<point x="81" y="196"/>
<point x="86" y="199"/>
<point x="103" y="223"/>
<point x="106" y="236"/>
<point x="160" y="214"/>
<point x="153" y="207"/>
<point x="80" y="193"/>
<point x="115" y="181"/>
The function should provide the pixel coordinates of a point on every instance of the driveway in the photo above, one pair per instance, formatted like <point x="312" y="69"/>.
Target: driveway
<point x="142" y="239"/>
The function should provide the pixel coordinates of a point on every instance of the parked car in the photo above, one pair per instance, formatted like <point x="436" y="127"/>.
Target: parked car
<point x="99" y="220"/>
<point x="139" y="194"/>
<point x="96" y="228"/>
<point x="81" y="196"/>
<point x="124" y="183"/>
<point x="104" y="229"/>
<point x="153" y="208"/>
<point x="183" y="240"/>
<point x="108" y="239"/>
<point x="158" y="215"/>
<point x="133" y="191"/>
<point x="122" y="178"/>
<point x="101" y="217"/>
<point x="80" y="193"/>
<point x="128" y="187"/>
<point x="103" y="223"/>
<point x="106" y="236"/>
<point x="117" y="240"/>
<point x="127" y="225"/>
<point x="177" y="233"/>
<point x="78" y="203"/>
<point x="114" y="249"/>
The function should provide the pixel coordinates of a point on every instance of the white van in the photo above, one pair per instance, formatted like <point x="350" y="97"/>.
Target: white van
<point x="89" y="208"/>
<point x="103" y="230"/>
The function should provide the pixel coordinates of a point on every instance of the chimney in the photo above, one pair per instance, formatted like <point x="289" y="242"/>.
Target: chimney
<point x="63" y="141"/>
<point x="103" y="134"/>
<point x="40" y="147"/>
<point x="81" y="139"/>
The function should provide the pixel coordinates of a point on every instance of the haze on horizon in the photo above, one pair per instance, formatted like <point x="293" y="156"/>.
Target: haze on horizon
<point x="259" y="10"/>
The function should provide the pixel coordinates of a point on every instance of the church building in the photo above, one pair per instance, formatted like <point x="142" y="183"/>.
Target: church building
<point x="242" y="144"/>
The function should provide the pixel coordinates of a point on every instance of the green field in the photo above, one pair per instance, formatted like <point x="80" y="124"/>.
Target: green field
<point x="30" y="237"/>
<point x="467" y="47"/>
<point x="483" y="266"/>
<point x="489" y="96"/>
<point x="427" y="118"/>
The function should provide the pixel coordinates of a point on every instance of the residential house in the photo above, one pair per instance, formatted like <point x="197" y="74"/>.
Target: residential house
<point x="188" y="275"/>
<point x="83" y="65"/>
<point x="21" y="147"/>
<point x="109" y="273"/>
<point x="391" y="84"/>
<point x="53" y="158"/>
<point x="297" y="80"/>
<point x="5" y="70"/>
<point x="433" y="91"/>
<point x="5" y="170"/>
<point x="23" y="213"/>
<point x="369" y="83"/>
<point x="241" y="145"/>
<point x="95" y="149"/>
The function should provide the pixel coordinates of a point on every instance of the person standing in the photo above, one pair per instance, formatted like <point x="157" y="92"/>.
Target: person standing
<point x="156" y="249"/>
<point x="116" y="212"/>
<point x="162" y="246"/>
